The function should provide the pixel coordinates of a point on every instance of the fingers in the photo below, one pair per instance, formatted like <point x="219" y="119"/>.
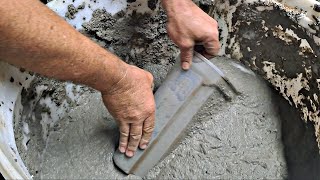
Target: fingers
<point x="134" y="139"/>
<point x="139" y="135"/>
<point x="212" y="47"/>
<point x="148" y="127"/>
<point x="124" y="136"/>
<point x="211" y="42"/>
<point x="186" y="57"/>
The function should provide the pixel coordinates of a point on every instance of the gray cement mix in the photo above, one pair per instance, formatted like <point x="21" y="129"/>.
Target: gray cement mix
<point x="228" y="139"/>
<point x="139" y="39"/>
<point x="242" y="138"/>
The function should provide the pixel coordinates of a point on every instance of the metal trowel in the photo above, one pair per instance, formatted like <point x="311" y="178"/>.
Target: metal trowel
<point x="178" y="99"/>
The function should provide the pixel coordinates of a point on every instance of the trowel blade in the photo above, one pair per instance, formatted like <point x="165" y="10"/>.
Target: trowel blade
<point x="177" y="100"/>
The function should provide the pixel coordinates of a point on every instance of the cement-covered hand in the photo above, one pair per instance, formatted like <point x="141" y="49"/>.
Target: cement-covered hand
<point x="188" y="25"/>
<point x="131" y="103"/>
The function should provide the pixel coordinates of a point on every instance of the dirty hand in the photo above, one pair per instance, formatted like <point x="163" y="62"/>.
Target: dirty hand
<point x="131" y="103"/>
<point x="188" y="25"/>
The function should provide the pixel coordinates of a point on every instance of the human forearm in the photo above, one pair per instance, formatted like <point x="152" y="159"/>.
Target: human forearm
<point x="35" y="38"/>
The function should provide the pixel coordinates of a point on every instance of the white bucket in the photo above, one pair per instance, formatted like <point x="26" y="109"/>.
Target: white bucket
<point x="11" y="83"/>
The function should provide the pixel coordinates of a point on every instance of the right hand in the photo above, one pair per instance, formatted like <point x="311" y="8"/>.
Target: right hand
<point x="188" y="25"/>
<point x="131" y="103"/>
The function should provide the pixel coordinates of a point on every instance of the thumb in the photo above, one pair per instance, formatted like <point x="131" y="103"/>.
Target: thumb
<point x="186" y="57"/>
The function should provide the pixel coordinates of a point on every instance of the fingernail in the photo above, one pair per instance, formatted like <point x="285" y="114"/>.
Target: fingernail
<point x="129" y="153"/>
<point x="185" y="65"/>
<point x="122" y="149"/>
<point x="143" y="146"/>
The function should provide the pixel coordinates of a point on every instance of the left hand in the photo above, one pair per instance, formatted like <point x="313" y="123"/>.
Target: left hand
<point x="131" y="103"/>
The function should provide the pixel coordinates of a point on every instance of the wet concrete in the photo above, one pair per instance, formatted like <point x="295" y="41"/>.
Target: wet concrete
<point x="257" y="135"/>
<point x="231" y="140"/>
<point x="228" y="139"/>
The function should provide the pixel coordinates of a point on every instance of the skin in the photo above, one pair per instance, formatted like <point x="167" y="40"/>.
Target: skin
<point x="35" y="38"/>
<point x="187" y="26"/>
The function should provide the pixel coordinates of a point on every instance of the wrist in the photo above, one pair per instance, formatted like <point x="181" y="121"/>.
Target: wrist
<point x="173" y="6"/>
<point x="113" y="71"/>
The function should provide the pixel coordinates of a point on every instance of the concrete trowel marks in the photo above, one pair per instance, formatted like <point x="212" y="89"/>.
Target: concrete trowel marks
<point x="65" y="131"/>
<point x="241" y="138"/>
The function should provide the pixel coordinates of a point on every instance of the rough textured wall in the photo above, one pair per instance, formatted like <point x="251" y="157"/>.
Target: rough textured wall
<point x="280" y="41"/>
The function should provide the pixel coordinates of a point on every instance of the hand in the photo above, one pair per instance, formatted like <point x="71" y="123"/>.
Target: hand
<point x="188" y="25"/>
<point x="131" y="103"/>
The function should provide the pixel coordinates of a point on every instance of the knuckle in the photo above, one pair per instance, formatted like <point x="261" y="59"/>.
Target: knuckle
<point x="185" y="44"/>
<point x="123" y="143"/>
<point x="213" y="33"/>
<point x="151" y="110"/>
<point x="135" y="137"/>
<point x="148" y="113"/>
<point x="148" y="129"/>
<point x="209" y="44"/>
<point x="124" y="134"/>
<point x="132" y="147"/>
<point x="134" y="115"/>
<point x="145" y="139"/>
<point x="150" y="76"/>
<point x="215" y="23"/>
<point x="218" y="47"/>
<point x="213" y="51"/>
<point x="186" y="56"/>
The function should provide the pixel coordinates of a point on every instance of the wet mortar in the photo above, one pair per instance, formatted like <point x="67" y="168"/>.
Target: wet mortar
<point x="229" y="139"/>
<point x="238" y="139"/>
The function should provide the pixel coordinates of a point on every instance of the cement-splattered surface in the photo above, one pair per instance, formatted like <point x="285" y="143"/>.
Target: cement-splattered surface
<point x="280" y="41"/>
<point x="228" y="164"/>
<point x="138" y="39"/>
